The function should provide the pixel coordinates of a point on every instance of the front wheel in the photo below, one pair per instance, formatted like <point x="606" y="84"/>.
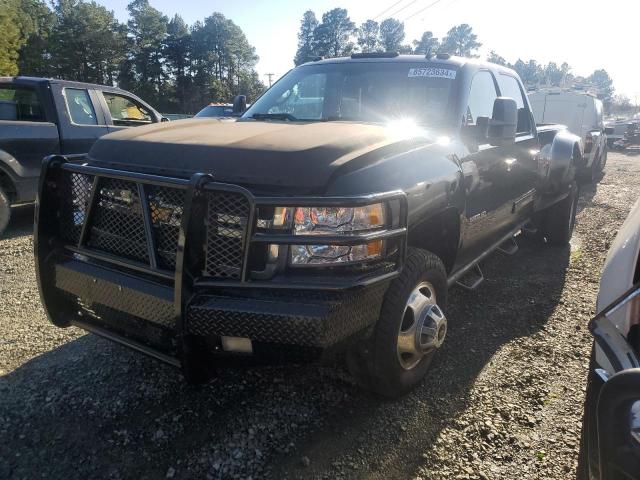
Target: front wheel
<point x="557" y="221"/>
<point x="411" y="327"/>
<point x="5" y="210"/>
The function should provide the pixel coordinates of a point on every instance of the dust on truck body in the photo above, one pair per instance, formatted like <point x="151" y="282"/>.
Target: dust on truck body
<point x="310" y="227"/>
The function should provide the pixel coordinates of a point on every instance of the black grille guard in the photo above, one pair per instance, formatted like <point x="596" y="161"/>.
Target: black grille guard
<point x="183" y="280"/>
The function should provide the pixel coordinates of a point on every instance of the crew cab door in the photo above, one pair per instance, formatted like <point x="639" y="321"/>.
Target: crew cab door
<point x="486" y="173"/>
<point x="521" y="157"/>
<point x="80" y="119"/>
<point x="124" y="111"/>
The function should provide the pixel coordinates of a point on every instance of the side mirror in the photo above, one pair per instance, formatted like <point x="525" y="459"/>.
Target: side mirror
<point x="239" y="104"/>
<point x="609" y="130"/>
<point x="504" y="122"/>
<point x="164" y="119"/>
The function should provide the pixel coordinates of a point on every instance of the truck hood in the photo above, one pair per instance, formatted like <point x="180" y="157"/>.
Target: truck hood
<point x="277" y="154"/>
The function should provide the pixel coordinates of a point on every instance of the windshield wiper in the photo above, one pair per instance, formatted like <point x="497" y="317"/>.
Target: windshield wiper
<point x="274" y="116"/>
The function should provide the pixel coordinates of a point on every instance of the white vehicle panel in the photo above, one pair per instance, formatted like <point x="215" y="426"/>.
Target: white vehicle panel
<point x="617" y="275"/>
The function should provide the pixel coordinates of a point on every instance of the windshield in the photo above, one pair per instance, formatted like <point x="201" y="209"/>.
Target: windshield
<point x="365" y="91"/>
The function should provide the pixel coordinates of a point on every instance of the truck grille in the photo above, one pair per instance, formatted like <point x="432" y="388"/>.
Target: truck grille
<point x="118" y="222"/>
<point x="227" y="216"/>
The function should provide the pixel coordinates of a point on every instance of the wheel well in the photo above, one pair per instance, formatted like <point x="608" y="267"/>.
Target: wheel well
<point x="439" y="235"/>
<point x="7" y="185"/>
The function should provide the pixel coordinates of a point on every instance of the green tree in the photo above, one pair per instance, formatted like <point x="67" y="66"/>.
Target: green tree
<point x="369" y="36"/>
<point x="306" y="43"/>
<point x="461" y="40"/>
<point x="493" y="57"/>
<point x="392" y="35"/>
<point x="427" y="43"/>
<point x="147" y="28"/>
<point x="603" y="83"/>
<point x="333" y="35"/>
<point x="10" y="37"/>
<point x="37" y="23"/>
<point x="530" y="72"/>
<point x="177" y="55"/>
<point x="87" y="42"/>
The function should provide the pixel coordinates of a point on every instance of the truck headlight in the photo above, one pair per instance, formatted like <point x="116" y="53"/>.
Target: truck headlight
<point x="337" y="221"/>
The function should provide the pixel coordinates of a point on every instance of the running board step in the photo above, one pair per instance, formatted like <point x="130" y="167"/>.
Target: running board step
<point x="472" y="279"/>
<point x="530" y="229"/>
<point x="508" y="247"/>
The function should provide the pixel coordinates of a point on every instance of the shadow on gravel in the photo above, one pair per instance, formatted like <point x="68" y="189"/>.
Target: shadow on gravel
<point x="21" y="223"/>
<point x="91" y="409"/>
<point x="519" y="295"/>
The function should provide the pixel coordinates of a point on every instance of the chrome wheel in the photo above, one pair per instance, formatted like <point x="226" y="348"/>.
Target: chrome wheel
<point x="423" y="326"/>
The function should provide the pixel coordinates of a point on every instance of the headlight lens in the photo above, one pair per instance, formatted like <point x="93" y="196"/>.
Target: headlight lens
<point x="335" y="254"/>
<point x="336" y="221"/>
<point x="332" y="220"/>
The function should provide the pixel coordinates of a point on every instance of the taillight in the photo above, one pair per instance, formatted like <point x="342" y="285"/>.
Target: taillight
<point x="588" y="143"/>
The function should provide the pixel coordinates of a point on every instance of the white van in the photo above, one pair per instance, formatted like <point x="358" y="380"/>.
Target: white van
<point x="582" y="114"/>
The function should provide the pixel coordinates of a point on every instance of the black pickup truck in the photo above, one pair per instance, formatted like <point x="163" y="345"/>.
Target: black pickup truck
<point x="40" y="116"/>
<point x="331" y="218"/>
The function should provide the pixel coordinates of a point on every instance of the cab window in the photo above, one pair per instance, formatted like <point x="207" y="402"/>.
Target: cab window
<point x="20" y="104"/>
<point x="481" y="98"/>
<point x="509" y="87"/>
<point x="125" y="111"/>
<point x="80" y="107"/>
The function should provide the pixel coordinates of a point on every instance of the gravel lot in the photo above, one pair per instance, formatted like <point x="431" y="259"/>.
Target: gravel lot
<point x="503" y="398"/>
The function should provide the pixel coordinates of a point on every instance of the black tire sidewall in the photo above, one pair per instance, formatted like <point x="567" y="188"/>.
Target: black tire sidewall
<point x="5" y="211"/>
<point x="559" y="219"/>
<point x="388" y="377"/>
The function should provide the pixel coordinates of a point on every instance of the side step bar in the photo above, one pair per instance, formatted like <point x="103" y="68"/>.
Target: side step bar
<point x="509" y="247"/>
<point x="457" y="278"/>
<point x="472" y="279"/>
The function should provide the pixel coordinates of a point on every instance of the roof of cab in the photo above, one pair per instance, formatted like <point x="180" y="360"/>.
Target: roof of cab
<point x="450" y="60"/>
<point x="20" y="80"/>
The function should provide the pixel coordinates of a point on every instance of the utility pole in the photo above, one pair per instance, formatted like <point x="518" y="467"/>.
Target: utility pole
<point x="269" y="76"/>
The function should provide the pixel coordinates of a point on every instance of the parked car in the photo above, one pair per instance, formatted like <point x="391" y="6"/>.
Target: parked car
<point x="331" y="217"/>
<point x="617" y="131"/>
<point x="225" y="110"/>
<point x="582" y="114"/>
<point x="216" y="110"/>
<point x="610" y="445"/>
<point x="39" y="117"/>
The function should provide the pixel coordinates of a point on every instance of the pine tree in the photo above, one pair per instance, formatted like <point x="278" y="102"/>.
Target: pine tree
<point x="369" y="36"/>
<point x="306" y="44"/>
<point x="333" y="36"/>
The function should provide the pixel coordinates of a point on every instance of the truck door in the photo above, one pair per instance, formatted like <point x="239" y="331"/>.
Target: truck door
<point x="486" y="172"/>
<point x="123" y="111"/>
<point x="26" y="134"/>
<point x="522" y="159"/>
<point x="80" y="122"/>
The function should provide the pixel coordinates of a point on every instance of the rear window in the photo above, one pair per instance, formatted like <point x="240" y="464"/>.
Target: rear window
<point x="20" y="104"/>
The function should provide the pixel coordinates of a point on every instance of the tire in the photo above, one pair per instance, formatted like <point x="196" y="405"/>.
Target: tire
<point x="558" y="221"/>
<point x="603" y="162"/>
<point x="5" y="211"/>
<point x="390" y="373"/>
<point x="588" y="461"/>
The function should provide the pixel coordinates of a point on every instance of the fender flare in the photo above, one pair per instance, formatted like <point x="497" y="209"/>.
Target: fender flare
<point x="561" y="160"/>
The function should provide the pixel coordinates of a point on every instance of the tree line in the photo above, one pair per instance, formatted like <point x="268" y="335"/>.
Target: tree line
<point x="178" y="68"/>
<point x="336" y="35"/>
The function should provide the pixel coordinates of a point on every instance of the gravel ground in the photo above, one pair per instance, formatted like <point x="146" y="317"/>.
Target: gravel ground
<point x="503" y="398"/>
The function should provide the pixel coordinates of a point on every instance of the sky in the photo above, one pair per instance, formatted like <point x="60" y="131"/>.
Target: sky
<point x="587" y="34"/>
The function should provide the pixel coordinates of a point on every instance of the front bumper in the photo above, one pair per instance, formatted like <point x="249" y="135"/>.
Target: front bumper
<point x="164" y="313"/>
